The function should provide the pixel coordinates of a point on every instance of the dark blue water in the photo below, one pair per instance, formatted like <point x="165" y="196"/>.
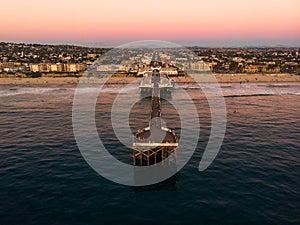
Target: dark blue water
<point x="254" y="179"/>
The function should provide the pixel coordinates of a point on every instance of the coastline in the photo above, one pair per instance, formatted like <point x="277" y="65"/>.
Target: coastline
<point x="243" y="78"/>
<point x="221" y="78"/>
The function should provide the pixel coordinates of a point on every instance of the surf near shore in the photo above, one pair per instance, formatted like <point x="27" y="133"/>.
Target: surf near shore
<point x="221" y="78"/>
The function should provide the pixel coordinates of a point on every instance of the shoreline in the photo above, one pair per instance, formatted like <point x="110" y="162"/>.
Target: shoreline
<point x="221" y="78"/>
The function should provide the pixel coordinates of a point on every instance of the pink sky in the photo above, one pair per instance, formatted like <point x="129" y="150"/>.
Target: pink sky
<point x="144" y="19"/>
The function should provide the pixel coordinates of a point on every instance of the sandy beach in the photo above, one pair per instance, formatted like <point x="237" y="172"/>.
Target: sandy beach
<point x="222" y="78"/>
<point x="241" y="78"/>
<point x="65" y="80"/>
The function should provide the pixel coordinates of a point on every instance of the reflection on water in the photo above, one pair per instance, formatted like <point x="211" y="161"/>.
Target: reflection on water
<point x="255" y="177"/>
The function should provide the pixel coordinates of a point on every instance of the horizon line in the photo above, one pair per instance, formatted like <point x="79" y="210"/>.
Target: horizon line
<point x="184" y="43"/>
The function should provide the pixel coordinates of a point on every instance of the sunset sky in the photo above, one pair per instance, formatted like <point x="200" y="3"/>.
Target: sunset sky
<point x="238" y="21"/>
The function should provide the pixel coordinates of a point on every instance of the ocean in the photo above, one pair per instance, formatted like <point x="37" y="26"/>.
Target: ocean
<point x="254" y="179"/>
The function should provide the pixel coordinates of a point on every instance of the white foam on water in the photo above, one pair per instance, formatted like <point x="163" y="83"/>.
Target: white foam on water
<point x="232" y="89"/>
<point x="111" y="89"/>
<point x="12" y="91"/>
<point x="252" y="89"/>
<point x="26" y="90"/>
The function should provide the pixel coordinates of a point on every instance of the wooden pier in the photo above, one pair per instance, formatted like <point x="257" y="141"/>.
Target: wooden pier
<point x="155" y="143"/>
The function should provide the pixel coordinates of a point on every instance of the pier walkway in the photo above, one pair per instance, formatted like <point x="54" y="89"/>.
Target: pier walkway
<point x="154" y="143"/>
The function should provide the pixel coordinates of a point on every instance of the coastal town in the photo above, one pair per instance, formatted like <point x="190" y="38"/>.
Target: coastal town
<point x="35" y="60"/>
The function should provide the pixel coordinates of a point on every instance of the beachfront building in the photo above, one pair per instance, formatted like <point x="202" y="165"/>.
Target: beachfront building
<point x="262" y="69"/>
<point x="199" y="66"/>
<point x="169" y="71"/>
<point x="34" y="68"/>
<point x="111" y="68"/>
<point x="57" y="67"/>
<point x="71" y="68"/>
<point x="251" y="69"/>
<point x="12" y="67"/>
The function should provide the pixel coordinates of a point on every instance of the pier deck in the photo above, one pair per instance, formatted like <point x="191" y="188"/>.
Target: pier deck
<point x="155" y="143"/>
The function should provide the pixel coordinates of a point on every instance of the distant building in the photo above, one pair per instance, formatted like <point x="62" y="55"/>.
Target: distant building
<point x="169" y="71"/>
<point x="91" y="55"/>
<point x="111" y="68"/>
<point x="81" y="67"/>
<point x="11" y="67"/>
<point x="270" y="69"/>
<point x="34" y="68"/>
<point x="44" y="68"/>
<point x="58" y="67"/>
<point x="199" y="66"/>
<point x="262" y="69"/>
<point x="70" y="68"/>
<point x="237" y="59"/>
<point x="53" y="68"/>
<point x="251" y="69"/>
